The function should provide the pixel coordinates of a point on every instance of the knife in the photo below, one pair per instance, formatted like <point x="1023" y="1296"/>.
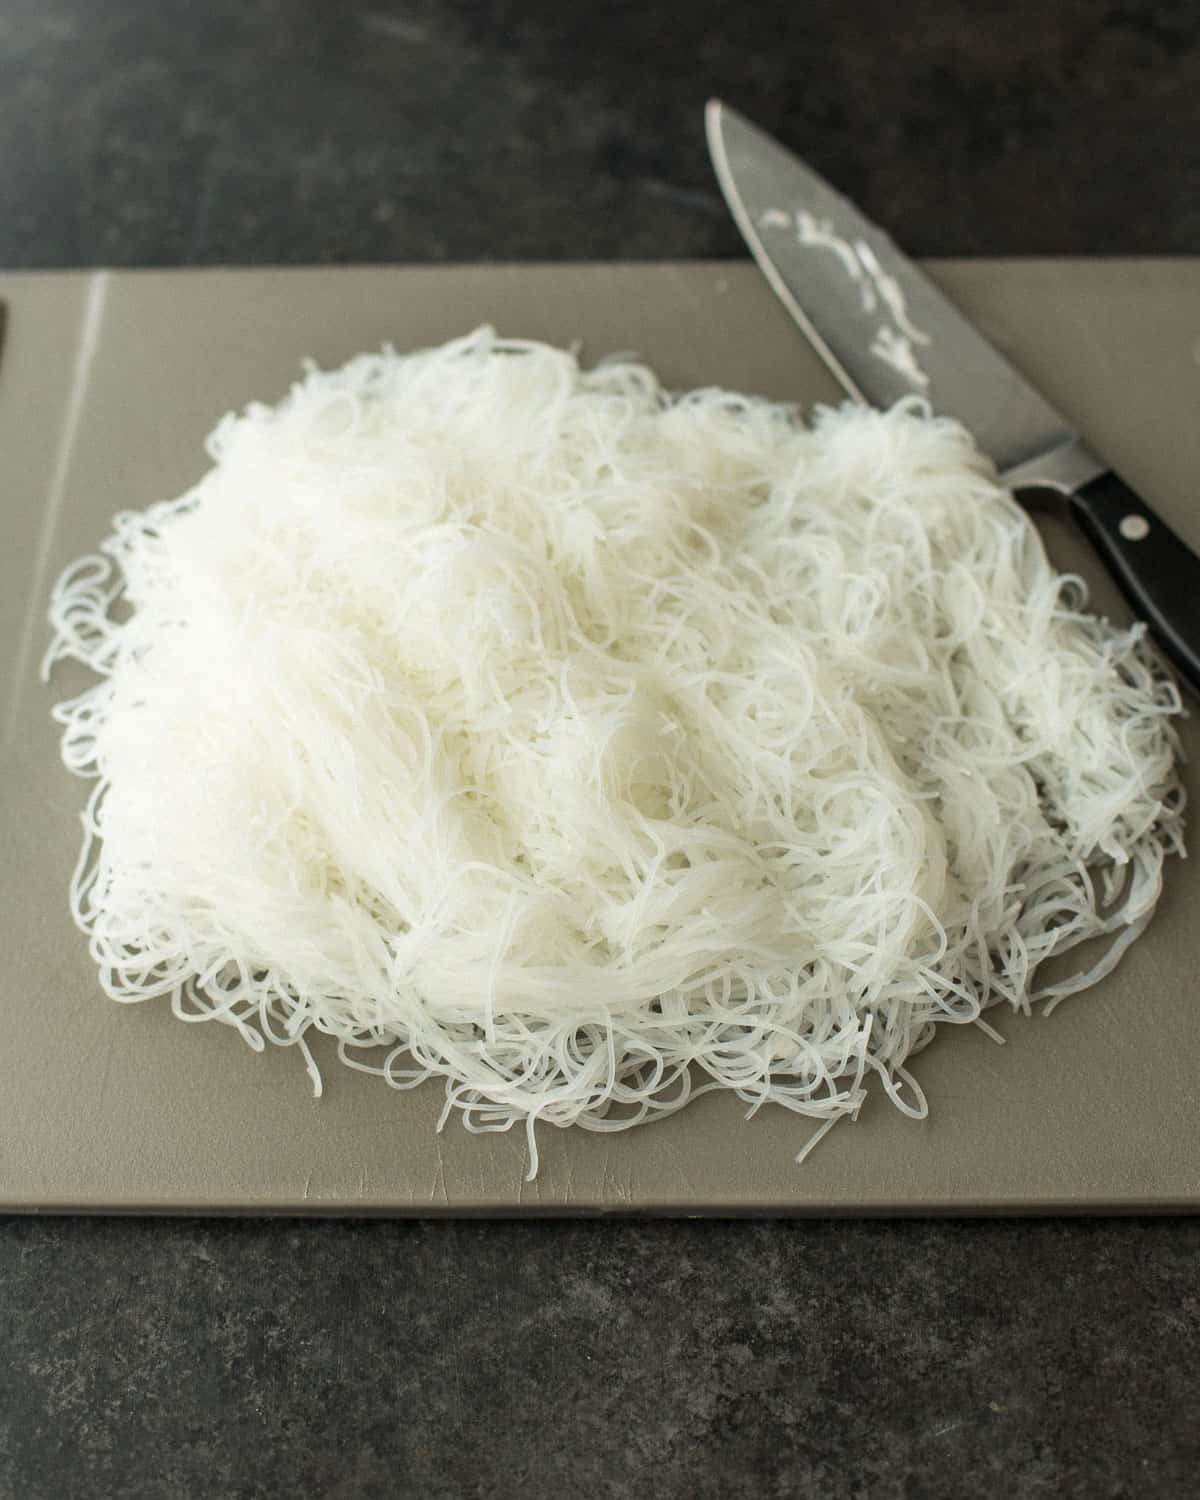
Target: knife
<point x="885" y="331"/>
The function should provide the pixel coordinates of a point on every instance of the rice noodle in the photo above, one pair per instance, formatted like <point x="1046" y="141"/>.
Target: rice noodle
<point x="588" y="747"/>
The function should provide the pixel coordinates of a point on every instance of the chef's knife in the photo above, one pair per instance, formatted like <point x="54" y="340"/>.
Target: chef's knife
<point x="886" y="331"/>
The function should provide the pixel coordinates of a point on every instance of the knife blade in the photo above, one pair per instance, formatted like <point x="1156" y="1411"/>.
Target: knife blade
<point x="887" y="332"/>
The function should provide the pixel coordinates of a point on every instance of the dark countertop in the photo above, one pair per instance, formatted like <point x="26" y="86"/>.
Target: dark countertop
<point x="182" y="1358"/>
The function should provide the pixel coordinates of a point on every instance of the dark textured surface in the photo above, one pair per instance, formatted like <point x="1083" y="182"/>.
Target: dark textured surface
<point x="599" y="1359"/>
<point x="180" y="1359"/>
<point x="167" y="131"/>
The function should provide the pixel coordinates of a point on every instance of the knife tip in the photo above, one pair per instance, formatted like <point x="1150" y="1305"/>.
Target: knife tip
<point x="712" y="120"/>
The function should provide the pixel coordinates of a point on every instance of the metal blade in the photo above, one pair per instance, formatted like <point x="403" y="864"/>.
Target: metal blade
<point x="879" y="323"/>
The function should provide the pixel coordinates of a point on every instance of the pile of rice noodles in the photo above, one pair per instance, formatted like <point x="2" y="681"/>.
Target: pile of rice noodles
<point x="588" y="747"/>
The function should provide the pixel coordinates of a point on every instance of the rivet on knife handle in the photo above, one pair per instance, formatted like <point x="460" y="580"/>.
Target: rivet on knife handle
<point x="1156" y="570"/>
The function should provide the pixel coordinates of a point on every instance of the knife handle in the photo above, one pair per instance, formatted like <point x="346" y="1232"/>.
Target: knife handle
<point x="1157" y="571"/>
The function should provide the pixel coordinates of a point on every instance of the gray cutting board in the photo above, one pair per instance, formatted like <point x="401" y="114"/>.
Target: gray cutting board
<point x="109" y="383"/>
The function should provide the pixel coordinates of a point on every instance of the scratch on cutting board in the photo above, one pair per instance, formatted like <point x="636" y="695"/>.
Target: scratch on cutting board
<point x="622" y="1189"/>
<point x="685" y="286"/>
<point x="437" y="1188"/>
<point x="307" y="1185"/>
<point x="81" y="374"/>
<point x="1096" y="346"/>
<point x="611" y="1185"/>
<point x="109" y="1049"/>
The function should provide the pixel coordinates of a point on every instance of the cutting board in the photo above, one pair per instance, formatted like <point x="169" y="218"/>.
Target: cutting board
<point x="109" y="383"/>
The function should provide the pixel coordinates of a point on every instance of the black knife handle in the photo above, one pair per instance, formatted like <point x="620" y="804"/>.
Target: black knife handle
<point x="1157" y="571"/>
